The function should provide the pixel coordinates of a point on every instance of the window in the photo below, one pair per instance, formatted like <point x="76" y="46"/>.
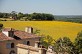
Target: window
<point x="10" y="45"/>
<point x="26" y="42"/>
<point x="38" y="44"/>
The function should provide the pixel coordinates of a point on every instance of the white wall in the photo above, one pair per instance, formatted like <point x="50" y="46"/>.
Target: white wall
<point x="25" y="51"/>
<point x="5" y="32"/>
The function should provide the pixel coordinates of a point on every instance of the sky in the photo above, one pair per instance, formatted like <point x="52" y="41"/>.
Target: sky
<point x="55" y="7"/>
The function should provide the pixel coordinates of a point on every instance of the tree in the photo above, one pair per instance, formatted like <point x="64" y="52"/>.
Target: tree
<point x="26" y="15"/>
<point x="14" y="15"/>
<point x="47" y="41"/>
<point x="1" y="15"/>
<point x="64" y="45"/>
<point x="78" y="42"/>
<point x="42" y="16"/>
<point x="1" y="26"/>
<point x="29" y="17"/>
<point x="20" y="15"/>
<point x="49" y="17"/>
<point x="4" y="15"/>
<point x="35" y="16"/>
<point x="36" y="31"/>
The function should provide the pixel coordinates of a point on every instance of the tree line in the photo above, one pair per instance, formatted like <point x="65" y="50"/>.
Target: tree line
<point x="34" y="16"/>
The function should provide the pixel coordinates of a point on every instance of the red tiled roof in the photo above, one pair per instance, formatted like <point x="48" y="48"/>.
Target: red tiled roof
<point x="4" y="37"/>
<point x="24" y="35"/>
<point x="20" y="34"/>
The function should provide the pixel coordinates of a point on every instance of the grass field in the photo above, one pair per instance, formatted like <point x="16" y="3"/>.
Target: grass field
<point x="55" y="29"/>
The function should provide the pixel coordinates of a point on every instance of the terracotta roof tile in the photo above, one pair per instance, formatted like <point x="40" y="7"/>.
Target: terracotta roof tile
<point x="4" y="37"/>
<point x="20" y="34"/>
<point x="24" y="35"/>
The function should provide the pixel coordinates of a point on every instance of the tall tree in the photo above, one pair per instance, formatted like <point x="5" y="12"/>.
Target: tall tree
<point x="20" y="15"/>
<point x="78" y="42"/>
<point x="47" y="41"/>
<point x="64" y="45"/>
<point x="14" y="15"/>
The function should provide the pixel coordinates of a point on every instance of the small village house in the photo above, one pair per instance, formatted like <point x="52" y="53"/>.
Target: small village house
<point x="10" y="37"/>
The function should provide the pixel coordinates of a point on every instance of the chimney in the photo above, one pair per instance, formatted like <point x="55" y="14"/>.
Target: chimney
<point x="8" y="32"/>
<point x="37" y="44"/>
<point x="29" y="29"/>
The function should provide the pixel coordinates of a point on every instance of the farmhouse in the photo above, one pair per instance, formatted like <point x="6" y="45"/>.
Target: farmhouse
<point x="10" y="37"/>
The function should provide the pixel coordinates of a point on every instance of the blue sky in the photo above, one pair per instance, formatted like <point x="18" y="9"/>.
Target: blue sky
<point x="56" y="7"/>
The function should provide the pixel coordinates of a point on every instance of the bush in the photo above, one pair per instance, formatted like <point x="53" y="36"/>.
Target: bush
<point x="1" y="26"/>
<point x="78" y="42"/>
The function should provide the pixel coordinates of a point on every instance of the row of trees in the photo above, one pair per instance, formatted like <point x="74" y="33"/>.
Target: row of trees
<point x="33" y="16"/>
<point x="64" y="44"/>
<point x="4" y="15"/>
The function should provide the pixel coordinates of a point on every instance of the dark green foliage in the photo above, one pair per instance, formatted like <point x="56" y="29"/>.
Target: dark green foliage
<point x="20" y="15"/>
<point x="42" y="16"/>
<point x="33" y="16"/>
<point x="4" y="15"/>
<point x="78" y="42"/>
<point x="14" y="15"/>
<point x="1" y="26"/>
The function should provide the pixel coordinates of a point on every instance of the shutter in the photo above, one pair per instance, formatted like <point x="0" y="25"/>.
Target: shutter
<point x="8" y="45"/>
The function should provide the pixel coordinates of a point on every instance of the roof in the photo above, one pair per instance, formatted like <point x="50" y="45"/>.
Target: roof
<point x="23" y="46"/>
<point x="4" y="37"/>
<point x="24" y="35"/>
<point x="27" y="47"/>
<point x="17" y="34"/>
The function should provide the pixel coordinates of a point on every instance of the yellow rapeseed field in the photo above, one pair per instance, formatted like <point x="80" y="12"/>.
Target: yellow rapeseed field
<point x="55" y="29"/>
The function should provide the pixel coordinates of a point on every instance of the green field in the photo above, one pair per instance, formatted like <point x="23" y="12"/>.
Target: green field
<point x="55" y="29"/>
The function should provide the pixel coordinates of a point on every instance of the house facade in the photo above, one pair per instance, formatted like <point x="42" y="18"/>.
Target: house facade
<point x="10" y="37"/>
